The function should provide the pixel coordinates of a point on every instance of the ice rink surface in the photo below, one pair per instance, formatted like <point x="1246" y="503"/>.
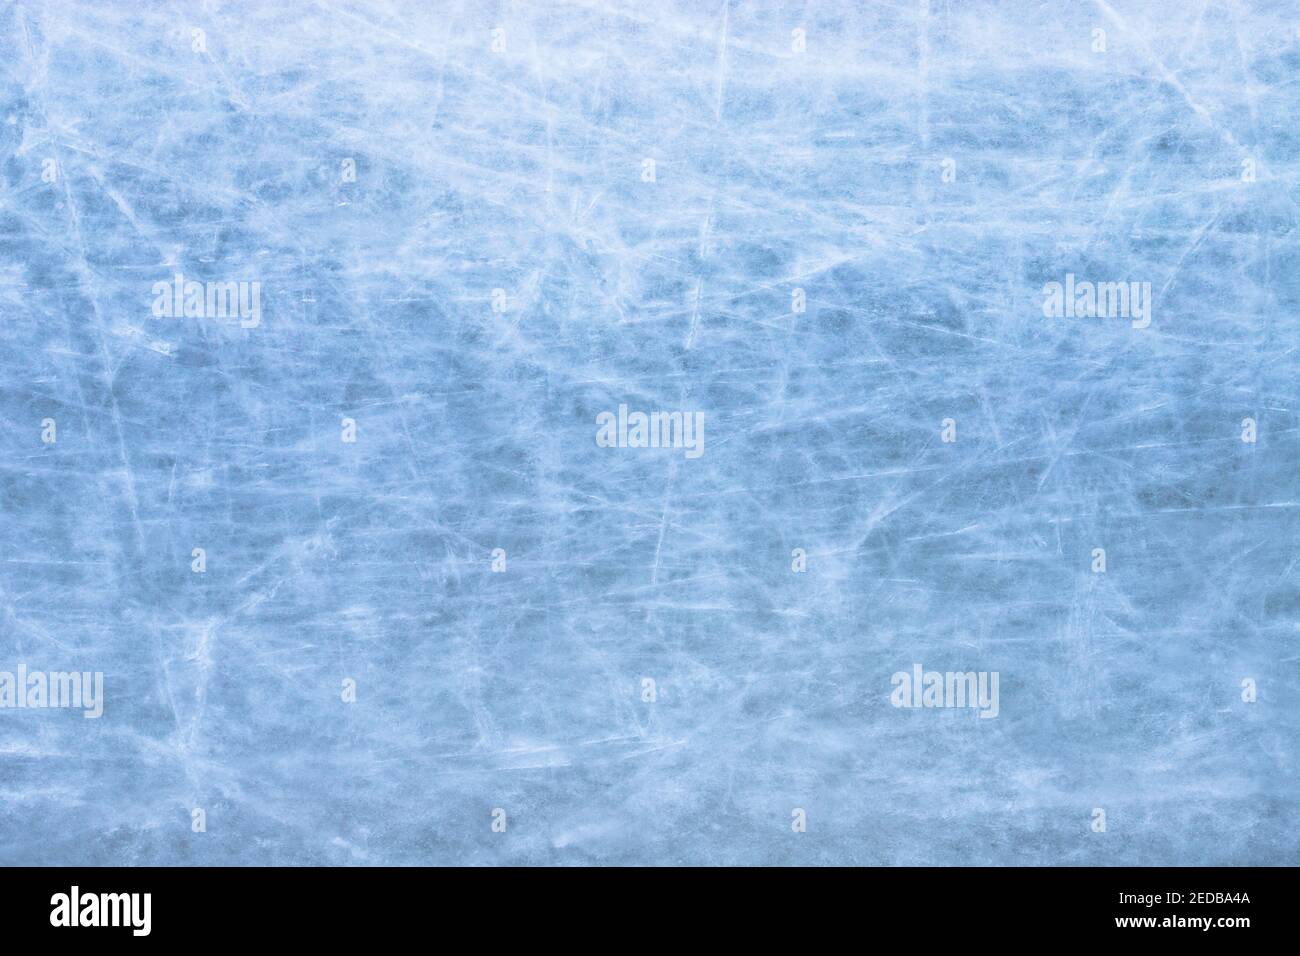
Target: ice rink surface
<point x="442" y="240"/>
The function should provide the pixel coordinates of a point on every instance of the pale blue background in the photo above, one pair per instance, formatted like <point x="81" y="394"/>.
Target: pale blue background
<point x="521" y="690"/>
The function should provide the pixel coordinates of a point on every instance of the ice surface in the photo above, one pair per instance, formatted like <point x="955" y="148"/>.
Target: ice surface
<point x="133" y="149"/>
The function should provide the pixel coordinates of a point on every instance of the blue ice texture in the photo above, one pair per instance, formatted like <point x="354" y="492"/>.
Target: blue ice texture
<point x="611" y="432"/>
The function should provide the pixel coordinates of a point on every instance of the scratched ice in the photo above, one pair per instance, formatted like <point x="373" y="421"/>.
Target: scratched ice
<point x="471" y="229"/>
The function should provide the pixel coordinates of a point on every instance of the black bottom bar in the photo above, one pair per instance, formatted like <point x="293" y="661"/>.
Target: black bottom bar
<point x="337" y="906"/>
